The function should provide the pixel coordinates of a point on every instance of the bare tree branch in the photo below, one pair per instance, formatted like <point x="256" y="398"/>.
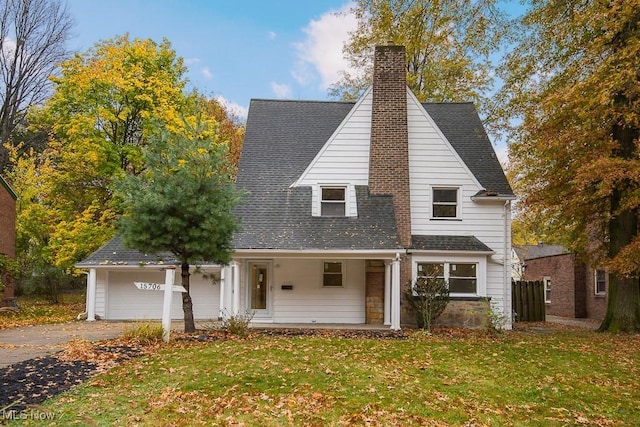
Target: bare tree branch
<point x="33" y="36"/>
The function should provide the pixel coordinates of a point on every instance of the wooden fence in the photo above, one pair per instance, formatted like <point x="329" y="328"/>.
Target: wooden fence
<point x="528" y="301"/>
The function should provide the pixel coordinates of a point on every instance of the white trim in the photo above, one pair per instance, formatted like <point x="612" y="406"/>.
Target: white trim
<point x="387" y="294"/>
<point x="91" y="295"/>
<point x="260" y="314"/>
<point x="314" y="253"/>
<point x="456" y="252"/>
<point x="343" y="272"/>
<point x="547" y="287"/>
<point x="350" y="202"/>
<point x="481" y="270"/>
<point x="458" y="188"/>
<point x="235" y="301"/>
<point x="395" y="294"/>
<point x="160" y="267"/>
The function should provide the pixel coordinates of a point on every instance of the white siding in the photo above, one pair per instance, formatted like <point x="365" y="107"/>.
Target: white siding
<point x="309" y="301"/>
<point x="433" y="162"/>
<point x="117" y="298"/>
<point x="345" y="156"/>
<point x="101" y="293"/>
<point x="344" y="159"/>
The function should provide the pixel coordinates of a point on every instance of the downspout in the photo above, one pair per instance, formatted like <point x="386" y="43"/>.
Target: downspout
<point x="505" y="270"/>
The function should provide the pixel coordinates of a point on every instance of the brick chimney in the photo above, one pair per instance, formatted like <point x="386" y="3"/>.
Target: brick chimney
<point x="389" y="150"/>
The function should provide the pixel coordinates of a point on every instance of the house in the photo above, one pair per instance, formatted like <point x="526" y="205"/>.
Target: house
<point x="572" y="288"/>
<point x="8" y="199"/>
<point x="521" y="253"/>
<point x="348" y="202"/>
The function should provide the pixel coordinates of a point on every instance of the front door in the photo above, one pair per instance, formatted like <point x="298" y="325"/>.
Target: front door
<point x="259" y="288"/>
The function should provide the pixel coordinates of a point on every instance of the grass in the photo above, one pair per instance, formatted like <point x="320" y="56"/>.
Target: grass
<point x="37" y="310"/>
<point x="526" y="377"/>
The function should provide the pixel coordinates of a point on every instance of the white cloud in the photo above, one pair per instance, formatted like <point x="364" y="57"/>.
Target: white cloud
<point x="236" y="110"/>
<point x="281" y="90"/>
<point x="206" y="72"/>
<point x="191" y="61"/>
<point x="320" y="53"/>
<point x="272" y="35"/>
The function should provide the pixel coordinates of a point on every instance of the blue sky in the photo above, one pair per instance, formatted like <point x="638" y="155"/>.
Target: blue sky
<point x="236" y="49"/>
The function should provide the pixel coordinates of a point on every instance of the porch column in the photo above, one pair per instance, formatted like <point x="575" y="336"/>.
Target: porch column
<point x="235" y="306"/>
<point x="387" y="293"/>
<point x="223" y="284"/>
<point x="395" y="294"/>
<point x="91" y="295"/>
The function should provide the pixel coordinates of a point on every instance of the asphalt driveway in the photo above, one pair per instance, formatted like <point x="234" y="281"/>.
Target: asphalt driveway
<point x="28" y="342"/>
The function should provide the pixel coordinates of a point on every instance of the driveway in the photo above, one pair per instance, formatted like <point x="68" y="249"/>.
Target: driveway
<point x="28" y="342"/>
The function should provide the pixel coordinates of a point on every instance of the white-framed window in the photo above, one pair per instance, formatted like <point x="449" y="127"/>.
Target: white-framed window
<point x="547" y="288"/>
<point x="333" y="274"/>
<point x="463" y="276"/>
<point x="445" y="203"/>
<point x="600" y="280"/>
<point x="333" y="201"/>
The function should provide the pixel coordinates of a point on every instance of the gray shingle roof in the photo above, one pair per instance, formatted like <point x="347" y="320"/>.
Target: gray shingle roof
<point x="541" y="250"/>
<point x="461" y="125"/>
<point x="448" y="243"/>
<point x="283" y="137"/>
<point x="114" y="253"/>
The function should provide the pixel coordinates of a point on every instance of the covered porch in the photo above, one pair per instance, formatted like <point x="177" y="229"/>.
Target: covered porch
<point x="303" y="289"/>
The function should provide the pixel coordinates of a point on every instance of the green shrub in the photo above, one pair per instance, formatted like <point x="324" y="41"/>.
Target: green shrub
<point x="428" y="297"/>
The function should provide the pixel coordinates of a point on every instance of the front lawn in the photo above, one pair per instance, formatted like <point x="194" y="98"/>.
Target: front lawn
<point x="543" y="377"/>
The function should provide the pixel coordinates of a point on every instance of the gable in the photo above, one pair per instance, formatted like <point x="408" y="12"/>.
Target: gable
<point x="432" y="157"/>
<point x="345" y="155"/>
<point x="282" y="139"/>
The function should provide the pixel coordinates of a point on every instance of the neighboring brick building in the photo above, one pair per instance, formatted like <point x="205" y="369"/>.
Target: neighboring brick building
<point x="572" y="288"/>
<point x="7" y="234"/>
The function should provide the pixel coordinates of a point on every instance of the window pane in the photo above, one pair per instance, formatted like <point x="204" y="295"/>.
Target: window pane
<point x="333" y="267"/>
<point x="332" y="209"/>
<point x="332" y="274"/>
<point x="462" y="286"/>
<point x="430" y="270"/>
<point x="600" y="282"/>
<point x="333" y="194"/>
<point x="444" y="211"/>
<point x="445" y="195"/>
<point x="331" y="279"/>
<point x="462" y="270"/>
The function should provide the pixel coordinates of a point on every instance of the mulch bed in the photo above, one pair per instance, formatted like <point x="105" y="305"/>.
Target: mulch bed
<point x="32" y="381"/>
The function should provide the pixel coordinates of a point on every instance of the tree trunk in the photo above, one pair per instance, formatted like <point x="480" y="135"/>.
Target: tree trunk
<point x="623" y="305"/>
<point x="187" y="303"/>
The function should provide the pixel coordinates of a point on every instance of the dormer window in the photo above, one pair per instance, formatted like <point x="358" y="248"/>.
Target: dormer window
<point x="333" y="201"/>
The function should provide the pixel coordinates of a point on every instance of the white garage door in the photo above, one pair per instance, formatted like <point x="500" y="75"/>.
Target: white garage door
<point x="126" y="302"/>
